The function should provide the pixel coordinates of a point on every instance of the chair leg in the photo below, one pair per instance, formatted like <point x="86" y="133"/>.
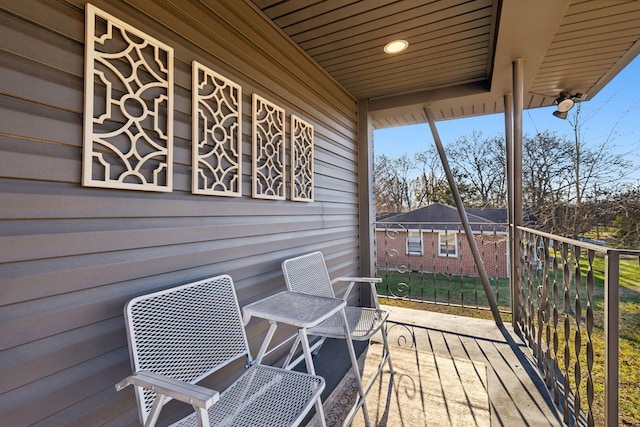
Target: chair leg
<point x="354" y="364"/>
<point x="385" y="359"/>
<point x="317" y="346"/>
<point x="154" y="413"/>
<point x="304" y="341"/>
<point x="202" y="416"/>
<point x="320" y="412"/>
<point x="385" y="342"/>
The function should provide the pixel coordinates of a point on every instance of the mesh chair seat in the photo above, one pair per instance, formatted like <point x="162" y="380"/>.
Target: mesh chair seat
<point x="363" y="324"/>
<point x="263" y="396"/>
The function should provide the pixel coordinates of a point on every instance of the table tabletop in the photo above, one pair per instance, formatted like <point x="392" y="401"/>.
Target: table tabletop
<point x="294" y="308"/>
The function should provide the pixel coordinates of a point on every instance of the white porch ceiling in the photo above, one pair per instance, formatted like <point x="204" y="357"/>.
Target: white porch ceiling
<point x="460" y="52"/>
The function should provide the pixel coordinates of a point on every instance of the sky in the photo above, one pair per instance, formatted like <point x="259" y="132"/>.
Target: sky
<point x="616" y="107"/>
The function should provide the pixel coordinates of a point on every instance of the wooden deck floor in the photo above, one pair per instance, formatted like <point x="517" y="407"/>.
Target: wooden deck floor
<point x="517" y="395"/>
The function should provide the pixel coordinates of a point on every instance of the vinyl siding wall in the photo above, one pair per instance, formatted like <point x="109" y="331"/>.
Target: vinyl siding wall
<point x="71" y="256"/>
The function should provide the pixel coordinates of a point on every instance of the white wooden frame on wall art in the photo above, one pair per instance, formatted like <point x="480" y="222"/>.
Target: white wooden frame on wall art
<point x="268" y="150"/>
<point x="301" y="160"/>
<point x="217" y="134"/>
<point x="128" y="108"/>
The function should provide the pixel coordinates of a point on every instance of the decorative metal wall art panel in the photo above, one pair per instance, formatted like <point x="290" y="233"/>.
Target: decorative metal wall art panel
<point x="301" y="160"/>
<point x="128" y="124"/>
<point x="217" y="134"/>
<point x="268" y="150"/>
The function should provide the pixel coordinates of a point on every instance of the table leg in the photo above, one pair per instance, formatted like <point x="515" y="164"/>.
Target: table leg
<point x="267" y="340"/>
<point x="292" y="352"/>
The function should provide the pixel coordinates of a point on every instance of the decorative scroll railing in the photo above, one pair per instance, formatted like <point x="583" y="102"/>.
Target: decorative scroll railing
<point x="568" y="312"/>
<point x="433" y="263"/>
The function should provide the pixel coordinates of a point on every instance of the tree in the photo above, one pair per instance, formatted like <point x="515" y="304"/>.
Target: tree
<point x="393" y="183"/>
<point x="431" y="185"/>
<point x="593" y="166"/>
<point x="545" y="166"/>
<point x="479" y="166"/>
<point x="480" y="163"/>
<point x="564" y="178"/>
<point x="627" y="219"/>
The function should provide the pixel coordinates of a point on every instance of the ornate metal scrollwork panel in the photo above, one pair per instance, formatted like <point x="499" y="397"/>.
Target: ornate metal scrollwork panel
<point x="217" y="134"/>
<point x="268" y="150"/>
<point x="128" y="113"/>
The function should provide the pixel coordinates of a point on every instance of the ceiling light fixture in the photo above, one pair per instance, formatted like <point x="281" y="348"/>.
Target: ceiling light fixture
<point x="565" y="102"/>
<point x="396" y="46"/>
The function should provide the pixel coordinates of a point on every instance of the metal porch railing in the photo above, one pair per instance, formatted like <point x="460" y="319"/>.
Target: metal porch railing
<point x="567" y="293"/>
<point x="569" y="309"/>
<point x="432" y="263"/>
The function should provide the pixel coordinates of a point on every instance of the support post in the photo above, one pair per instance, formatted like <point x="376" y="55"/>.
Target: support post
<point x="465" y="220"/>
<point x="611" y="337"/>
<point x="365" y="198"/>
<point x="513" y="273"/>
<point x="515" y="204"/>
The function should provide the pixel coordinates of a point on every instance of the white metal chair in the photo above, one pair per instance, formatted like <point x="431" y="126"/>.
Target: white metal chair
<point x="308" y="274"/>
<point x="181" y="335"/>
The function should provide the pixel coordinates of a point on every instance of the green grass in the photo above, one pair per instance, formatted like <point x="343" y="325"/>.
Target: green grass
<point x="468" y="292"/>
<point x="465" y="291"/>
<point x="629" y="330"/>
<point x="601" y="232"/>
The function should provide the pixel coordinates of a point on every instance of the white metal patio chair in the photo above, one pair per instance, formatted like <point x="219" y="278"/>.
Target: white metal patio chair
<point x="181" y="335"/>
<point x="308" y="274"/>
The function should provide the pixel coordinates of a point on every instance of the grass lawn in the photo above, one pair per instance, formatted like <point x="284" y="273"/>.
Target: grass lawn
<point x="629" y="338"/>
<point x="463" y="293"/>
<point x="466" y="291"/>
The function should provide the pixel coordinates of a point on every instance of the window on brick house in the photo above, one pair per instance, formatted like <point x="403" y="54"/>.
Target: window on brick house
<point x="448" y="244"/>
<point x="414" y="242"/>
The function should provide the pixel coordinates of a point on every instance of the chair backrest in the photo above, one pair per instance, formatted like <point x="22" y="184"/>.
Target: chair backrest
<point x="308" y="274"/>
<point x="186" y="332"/>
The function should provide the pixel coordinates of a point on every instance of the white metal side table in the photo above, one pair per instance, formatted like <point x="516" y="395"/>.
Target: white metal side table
<point x="302" y="311"/>
<point x="293" y="308"/>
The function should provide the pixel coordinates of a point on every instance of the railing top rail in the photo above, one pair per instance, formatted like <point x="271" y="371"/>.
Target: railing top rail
<point x="586" y="245"/>
<point x="437" y="222"/>
<point x="442" y="226"/>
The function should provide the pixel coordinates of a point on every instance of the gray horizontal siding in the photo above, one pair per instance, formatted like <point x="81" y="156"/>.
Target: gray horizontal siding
<point x="70" y="257"/>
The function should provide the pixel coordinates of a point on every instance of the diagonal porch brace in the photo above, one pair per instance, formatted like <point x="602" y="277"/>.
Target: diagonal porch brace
<point x="463" y="217"/>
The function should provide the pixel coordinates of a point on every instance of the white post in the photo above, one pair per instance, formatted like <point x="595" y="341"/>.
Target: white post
<point x="513" y="273"/>
<point x="611" y="336"/>
<point x="515" y="204"/>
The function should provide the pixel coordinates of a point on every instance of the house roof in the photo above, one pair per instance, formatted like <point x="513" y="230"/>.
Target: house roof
<point x="444" y="217"/>
<point x="460" y="54"/>
<point x="491" y="214"/>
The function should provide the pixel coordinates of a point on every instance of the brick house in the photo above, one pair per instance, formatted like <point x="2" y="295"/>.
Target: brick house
<point x="432" y="239"/>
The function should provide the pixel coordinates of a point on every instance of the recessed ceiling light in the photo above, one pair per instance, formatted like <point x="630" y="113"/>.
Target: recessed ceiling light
<point x="396" y="46"/>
